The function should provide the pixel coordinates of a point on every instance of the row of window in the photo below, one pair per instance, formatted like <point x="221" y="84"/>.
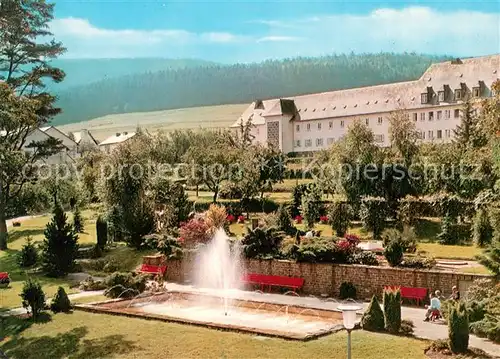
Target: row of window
<point x="446" y="114"/>
<point x="458" y="94"/>
<point x="320" y="141"/>
<point x="439" y="134"/>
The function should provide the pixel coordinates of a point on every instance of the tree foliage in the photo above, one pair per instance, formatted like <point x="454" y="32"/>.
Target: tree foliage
<point x="373" y="317"/>
<point x="311" y="206"/>
<point x="392" y="310"/>
<point x="482" y="228"/>
<point x="403" y="136"/>
<point x="458" y="328"/>
<point x="60" y="246"/>
<point x="373" y="213"/>
<point x="33" y="297"/>
<point x="339" y="217"/>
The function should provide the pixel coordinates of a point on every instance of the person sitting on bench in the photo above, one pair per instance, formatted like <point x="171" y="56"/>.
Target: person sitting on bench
<point x="455" y="294"/>
<point x="435" y="305"/>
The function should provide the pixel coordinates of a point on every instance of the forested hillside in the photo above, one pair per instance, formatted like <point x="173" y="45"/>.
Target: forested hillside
<point x="84" y="71"/>
<point x="240" y="83"/>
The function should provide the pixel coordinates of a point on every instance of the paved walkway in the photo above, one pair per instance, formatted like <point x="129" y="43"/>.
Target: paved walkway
<point x="425" y="330"/>
<point x="21" y="311"/>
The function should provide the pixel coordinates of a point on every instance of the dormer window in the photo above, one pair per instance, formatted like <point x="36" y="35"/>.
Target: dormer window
<point x="423" y="98"/>
<point x="458" y="94"/>
<point x="441" y="96"/>
<point x="476" y="92"/>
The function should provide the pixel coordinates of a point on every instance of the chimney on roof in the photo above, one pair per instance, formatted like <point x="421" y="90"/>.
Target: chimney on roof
<point x="118" y="134"/>
<point x="456" y="61"/>
<point x="125" y="133"/>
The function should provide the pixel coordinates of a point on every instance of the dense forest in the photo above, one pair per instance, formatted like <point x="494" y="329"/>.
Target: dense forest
<point x="223" y="84"/>
<point x="84" y="71"/>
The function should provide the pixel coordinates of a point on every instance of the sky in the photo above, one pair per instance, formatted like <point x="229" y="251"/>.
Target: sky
<point x="252" y="30"/>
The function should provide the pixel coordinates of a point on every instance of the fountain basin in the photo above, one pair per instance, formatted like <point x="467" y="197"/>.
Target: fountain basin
<point x="251" y="316"/>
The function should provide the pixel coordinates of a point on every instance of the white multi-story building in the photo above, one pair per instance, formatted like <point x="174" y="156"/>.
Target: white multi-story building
<point x="313" y="122"/>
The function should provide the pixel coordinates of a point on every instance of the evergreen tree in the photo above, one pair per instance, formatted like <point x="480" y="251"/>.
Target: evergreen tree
<point x="458" y="328"/>
<point x="338" y="217"/>
<point x="33" y="297"/>
<point x="447" y="235"/>
<point x="392" y="310"/>
<point x="285" y="220"/>
<point x="491" y="257"/>
<point x="61" y="302"/>
<point x="78" y="220"/>
<point x="468" y="134"/>
<point x="311" y="206"/>
<point x="482" y="229"/>
<point x="373" y="317"/>
<point x="101" y="231"/>
<point x="60" y="246"/>
<point x="373" y="213"/>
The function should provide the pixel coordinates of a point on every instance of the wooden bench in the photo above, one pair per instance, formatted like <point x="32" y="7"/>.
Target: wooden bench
<point x="270" y="281"/>
<point x="152" y="269"/>
<point x="417" y="294"/>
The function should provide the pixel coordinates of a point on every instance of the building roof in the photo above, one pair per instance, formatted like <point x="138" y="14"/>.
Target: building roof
<point x="78" y="136"/>
<point x="379" y="98"/>
<point x="118" y="138"/>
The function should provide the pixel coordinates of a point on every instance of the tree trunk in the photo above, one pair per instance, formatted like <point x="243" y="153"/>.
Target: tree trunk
<point x="3" y="229"/>
<point x="197" y="190"/>
<point x="216" y="192"/>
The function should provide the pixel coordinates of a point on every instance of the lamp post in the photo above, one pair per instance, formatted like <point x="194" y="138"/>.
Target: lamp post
<point x="349" y="319"/>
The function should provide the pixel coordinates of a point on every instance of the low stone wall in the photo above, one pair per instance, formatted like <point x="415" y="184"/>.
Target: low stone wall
<point x="325" y="279"/>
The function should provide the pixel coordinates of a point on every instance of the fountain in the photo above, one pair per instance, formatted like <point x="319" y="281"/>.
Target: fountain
<point x="217" y="301"/>
<point x="219" y="267"/>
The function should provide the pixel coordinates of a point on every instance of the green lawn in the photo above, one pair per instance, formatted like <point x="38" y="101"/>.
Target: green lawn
<point x="9" y="297"/>
<point x="84" y="335"/>
<point x="437" y="250"/>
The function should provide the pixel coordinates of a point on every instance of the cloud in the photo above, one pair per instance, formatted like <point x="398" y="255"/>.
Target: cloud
<point x="419" y="29"/>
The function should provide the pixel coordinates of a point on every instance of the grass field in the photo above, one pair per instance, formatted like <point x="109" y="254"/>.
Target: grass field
<point x="84" y="335"/>
<point x="221" y="116"/>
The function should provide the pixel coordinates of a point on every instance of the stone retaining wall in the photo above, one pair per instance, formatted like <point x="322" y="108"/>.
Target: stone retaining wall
<point x="325" y="279"/>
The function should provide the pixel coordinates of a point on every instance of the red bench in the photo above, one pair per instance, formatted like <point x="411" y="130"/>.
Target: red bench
<point x="152" y="269"/>
<point x="418" y="294"/>
<point x="272" y="281"/>
<point x="4" y="275"/>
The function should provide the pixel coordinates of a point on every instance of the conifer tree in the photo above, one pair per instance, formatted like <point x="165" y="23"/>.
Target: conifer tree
<point x="60" y="246"/>
<point x="78" y="220"/>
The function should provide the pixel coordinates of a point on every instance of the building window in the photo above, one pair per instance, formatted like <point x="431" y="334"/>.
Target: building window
<point x="457" y="113"/>
<point x="431" y="116"/>
<point x="430" y="135"/>
<point x="423" y="98"/>
<point x="319" y="142"/>
<point x="308" y="127"/>
<point x="476" y="92"/>
<point x="342" y="124"/>
<point x="273" y="133"/>
<point x="319" y="126"/>
<point x="297" y="128"/>
<point x="379" y="138"/>
<point x="439" y="134"/>
<point x="423" y="135"/>
<point x="441" y="96"/>
<point x="297" y="143"/>
<point x="367" y="121"/>
<point x="330" y="125"/>
<point x="439" y="115"/>
<point x="446" y="114"/>
<point x="447" y="133"/>
<point x="458" y="95"/>
<point x="415" y="116"/>
<point x="308" y="143"/>
<point x="380" y="120"/>
<point x="422" y="116"/>
<point x="330" y="140"/>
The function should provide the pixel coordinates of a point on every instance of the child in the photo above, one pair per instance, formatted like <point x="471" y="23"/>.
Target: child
<point x="435" y="305"/>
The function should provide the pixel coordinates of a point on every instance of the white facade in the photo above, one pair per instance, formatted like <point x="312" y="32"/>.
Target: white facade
<point x="110" y="143"/>
<point x="313" y="122"/>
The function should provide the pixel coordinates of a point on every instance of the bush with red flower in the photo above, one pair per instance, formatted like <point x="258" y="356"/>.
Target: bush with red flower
<point x="353" y="239"/>
<point x="230" y="218"/>
<point x="194" y="231"/>
<point x="323" y="219"/>
<point x="241" y="219"/>
<point x="299" y="219"/>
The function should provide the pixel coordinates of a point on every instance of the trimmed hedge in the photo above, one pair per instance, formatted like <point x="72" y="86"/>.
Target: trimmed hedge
<point x="373" y="317"/>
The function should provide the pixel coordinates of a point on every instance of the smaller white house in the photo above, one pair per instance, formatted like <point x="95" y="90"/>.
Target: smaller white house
<point x="85" y="141"/>
<point x="110" y="143"/>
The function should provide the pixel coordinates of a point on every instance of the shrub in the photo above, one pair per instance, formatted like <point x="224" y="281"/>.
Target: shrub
<point x="407" y="238"/>
<point x="241" y="219"/>
<point x="262" y="242"/>
<point x="488" y="327"/>
<point x="60" y="303"/>
<point x="364" y="257"/>
<point x="28" y="256"/>
<point x="284" y="221"/>
<point x="373" y="213"/>
<point x="101" y="226"/>
<point x="458" y="328"/>
<point x="78" y="220"/>
<point x="338" y="217"/>
<point x="323" y="219"/>
<point x="33" y="297"/>
<point x="447" y="235"/>
<point x="194" y="231"/>
<point x="393" y="252"/>
<point x="482" y="229"/>
<point x="169" y="246"/>
<point x="60" y="247"/>
<point x="347" y="290"/>
<point x="125" y="285"/>
<point x="298" y="192"/>
<point x="215" y="217"/>
<point x="392" y="310"/>
<point x="137" y="221"/>
<point x="230" y="218"/>
<point x="298" y="219"/>
<point x="407" y="327"/>
<point x="311" y="206"/>
<point x="230" y="190"/>
<point x="91" y="284"/>
<point x="418" y="262"/>
<point x="373" y="317"/>
<point x="491" y="256"/>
